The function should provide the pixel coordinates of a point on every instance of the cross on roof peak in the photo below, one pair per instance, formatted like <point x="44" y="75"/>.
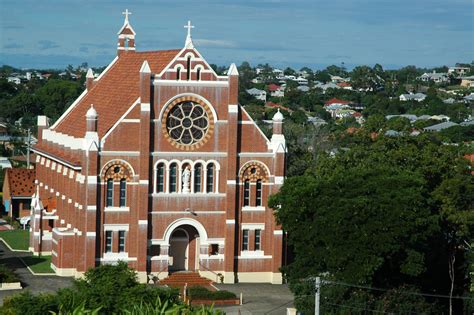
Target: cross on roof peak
<point x="189" y="27"/>
<point x="126" y="13"/>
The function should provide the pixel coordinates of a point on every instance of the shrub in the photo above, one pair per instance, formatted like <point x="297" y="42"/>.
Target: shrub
<point x="7" y="275"/>
<point x="201" y="293"/>
<point x="27" y="303"/>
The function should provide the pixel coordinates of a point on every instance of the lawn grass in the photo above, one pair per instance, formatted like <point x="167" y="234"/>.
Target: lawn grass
<point x="39" y="264"/>
<point x="16" y="239"/>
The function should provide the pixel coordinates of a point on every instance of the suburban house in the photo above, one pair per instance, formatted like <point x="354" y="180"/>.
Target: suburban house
<point x="440" y="126"/>
<point x="435" y="77"/>
<point x="276" y="90"/>
<point x="156" y="164"/>
<point x="459" y="70"/>
<point x="18" y="189"/>
<point x="258" y="94"/>
<point x="467" y="81"/>
<point x="419" y="97"/>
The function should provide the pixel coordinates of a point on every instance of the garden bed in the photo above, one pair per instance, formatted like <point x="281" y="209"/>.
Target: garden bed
<point x="8" y="279"/>
<point x="202" y="296"/>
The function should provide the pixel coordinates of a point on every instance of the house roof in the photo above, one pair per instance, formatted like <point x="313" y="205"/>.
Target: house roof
<point x="21" y="182"/>
<point x="275" y="105"/>
<point x="336" y="101"/>
<point x="441" y="126"/>
<point x="273" y="87"/>
<point x="344" y="84"/>
<point x="114" y="93"/>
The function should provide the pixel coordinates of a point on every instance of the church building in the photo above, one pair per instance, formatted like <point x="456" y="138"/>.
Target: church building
<point x="158" y="165"/>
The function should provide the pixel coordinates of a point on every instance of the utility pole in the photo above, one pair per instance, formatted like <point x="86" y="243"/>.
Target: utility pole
<point x="317" y="295"/>
<point x="28" y="149"/>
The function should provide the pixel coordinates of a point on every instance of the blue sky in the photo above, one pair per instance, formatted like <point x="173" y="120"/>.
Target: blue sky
<point x="314" y="33"/>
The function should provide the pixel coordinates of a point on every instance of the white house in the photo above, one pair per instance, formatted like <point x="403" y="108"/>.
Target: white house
<point x="419" y="97"/>
<point x="258" y="94"/>
<point x="458" y="70"/>
<point x="435" y="77"/>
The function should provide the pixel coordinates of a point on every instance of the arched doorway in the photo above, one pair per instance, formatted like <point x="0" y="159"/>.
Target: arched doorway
<point x="184" y="249"/>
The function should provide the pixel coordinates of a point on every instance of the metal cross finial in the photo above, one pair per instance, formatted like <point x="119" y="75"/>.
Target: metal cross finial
<point x="126" y="13"/>
<point x="189" y="27"/>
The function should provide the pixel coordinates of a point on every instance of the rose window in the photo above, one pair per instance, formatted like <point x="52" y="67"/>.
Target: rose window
<point x="187" y="122"/>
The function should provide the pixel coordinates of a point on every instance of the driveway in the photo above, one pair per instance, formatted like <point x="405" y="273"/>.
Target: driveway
<point x="33" y="283"/>
<point x="259" y="298"/>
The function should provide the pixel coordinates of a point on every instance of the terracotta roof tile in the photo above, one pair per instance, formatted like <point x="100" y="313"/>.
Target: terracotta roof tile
<point x="115" y="92"/>
<point x="336" y="101"/>
<point x="21" y="182"/>
<point x="59" y="154"/>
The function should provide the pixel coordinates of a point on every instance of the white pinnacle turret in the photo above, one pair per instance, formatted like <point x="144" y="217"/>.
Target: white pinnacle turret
<point x="91" y="112"/>
<point x="278" y="116"/>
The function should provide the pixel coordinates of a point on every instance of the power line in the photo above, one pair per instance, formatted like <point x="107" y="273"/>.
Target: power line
<point x="401" y="292"/>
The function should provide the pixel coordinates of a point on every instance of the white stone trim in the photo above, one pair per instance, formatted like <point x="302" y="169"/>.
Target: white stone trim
<point x="90" y="234"/>
<point x="143" y="181"/>
<point x="200" y="83"/>
<point x="119" y="153"/>
<point x="231" y="182"/>
<point x="117" y="209"/>
<point x="250" y="254"/>
<point x="279" y="180"/>
<point x="131" y="120"/>
<point x="256" y="209"/>
<point x="188" y="154"/>
<point x="186" y="221"/>
<point x="256" y="154"/>
<point x="233" y="108"/>
<point x="278" y="232"/>
<point x="142" y="222"/>
<point x="144" y="107"/>
<point x="116" y="227"/>
<point x="253" y="226"/>
<point x="55" y="159"/>
<point x="256" y="126"/>
<point x="230" y="221"/>
<point x="118" y="122"/>
<point x="186" y="212"/>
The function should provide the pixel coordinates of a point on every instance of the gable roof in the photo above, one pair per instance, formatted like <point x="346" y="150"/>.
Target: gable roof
<point x="336" y="101"/>
<point x="21" y="182"/>
<point x="117" y="89"/>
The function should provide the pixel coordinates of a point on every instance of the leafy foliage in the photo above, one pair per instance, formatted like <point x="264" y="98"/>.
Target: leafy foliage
<point x="386" y="213"/>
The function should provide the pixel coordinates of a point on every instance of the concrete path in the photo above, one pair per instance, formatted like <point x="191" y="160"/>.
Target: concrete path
<point x="35" y="284"/>
<point x="259" y="298"/>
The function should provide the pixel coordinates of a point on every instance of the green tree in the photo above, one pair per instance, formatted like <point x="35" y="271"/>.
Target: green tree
<point x="57" y="95"/>
<point x="385" y="214"/>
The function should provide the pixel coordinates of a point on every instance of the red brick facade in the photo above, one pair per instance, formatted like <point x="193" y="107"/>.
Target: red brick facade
<point x="157" y="164"/>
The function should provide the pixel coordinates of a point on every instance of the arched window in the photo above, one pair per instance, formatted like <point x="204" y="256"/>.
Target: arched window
<point x="198" y="178"/>
<point x="110" y="193"/>
<point x="188" y="68"/>
<point x="123" y="193"/>
<point x="210" y="178"/>
<point x="258" y="199"/>
<point x="198" y="74"/>
<point x="246" y="193"/>
<point x="178" y="73"/>
<point x="173" y="178"/>
<point x="160" y="178"/>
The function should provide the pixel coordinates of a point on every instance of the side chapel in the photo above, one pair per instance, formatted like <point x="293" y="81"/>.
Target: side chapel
<point x="157" y="164"/>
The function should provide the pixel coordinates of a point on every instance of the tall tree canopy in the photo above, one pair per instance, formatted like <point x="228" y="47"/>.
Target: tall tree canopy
<point x="388" y="214"/>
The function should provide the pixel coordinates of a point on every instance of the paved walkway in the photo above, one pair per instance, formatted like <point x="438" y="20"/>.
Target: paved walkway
<point x="33" y="283"/>
<point x="4" y="226"/>
<point x="259" y="298"/>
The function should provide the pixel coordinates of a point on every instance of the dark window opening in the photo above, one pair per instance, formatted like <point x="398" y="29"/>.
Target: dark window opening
<point x="121" y="247"/>
<point x="197" y="178"/>
<point x="214" y="249"/>
<point x="245" y="239"/>
<point x="123" y="192"/>
<point x="258" y="201"/>
<point x="198" y="74"/>
<point x="246" y="193"/>
<point x="258" y="242"/>
<point x="110" y="193"/>
<point x="160" y="178"/>
<point x="188" y="68"/>
<point x="210" y="178"/>
<point x="173" y="178"/>
<point x="178" y="73"/>
<point x="108" y="241"/>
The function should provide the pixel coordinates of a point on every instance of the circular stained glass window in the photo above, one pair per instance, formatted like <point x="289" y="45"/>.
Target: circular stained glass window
<point x="187" y="122"/>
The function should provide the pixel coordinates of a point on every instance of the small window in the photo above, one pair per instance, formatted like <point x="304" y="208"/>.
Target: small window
<point x="108" y="241"/>
<point x="247" y="193"/>
<point x="210" y="178"/>
<point x="198" y="74"/>
<point x="258" y="199"/>
<point x="173" y="177"/>
<point x="198" y="178"/>
<point x="121" y="247"/>
<point x="245" y="239"/>
<point x="123" y="193"/>
<point x="110" y="193"/>
<point x="160" y="178"/>
<point x="214" y="249"/>
<point x="178" y="73"/>
<point x="188" y="68"/>
<point x="258" y="234"/>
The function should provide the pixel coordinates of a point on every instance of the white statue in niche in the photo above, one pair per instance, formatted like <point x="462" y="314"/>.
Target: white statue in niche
<point x="186" y="180"/>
